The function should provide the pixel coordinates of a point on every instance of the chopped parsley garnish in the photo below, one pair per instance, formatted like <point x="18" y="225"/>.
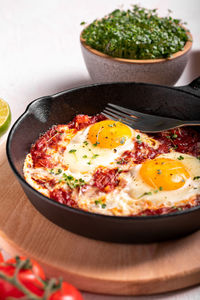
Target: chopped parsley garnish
<point x="196" y="177"/>
<point x="97" y="143"/>
<point x="103" y="205"/>
<point x="85" y="142"/>
<point x="51" y="171"/>
<point x="174" y="136"/>
<point x="60" y="132"/>
<point x="150" y="193"/>
<point x="136" y="33"/>
<point x="73" y="182"/>
<point x="122" y="161"/>
<point x="145" y="194"/>
<point x="59" y="172"/>
<point x="81" y="180"/>
<point x="159" y="171"/>
<point x="72" y="151"/>
<point x="95" y="156"/>
<point x="159" y="189"/>
<point x="84" y="156"/>
<point x="138" y="137"/>
<point x="180" y="157"/>
<point x="89" y="163"/>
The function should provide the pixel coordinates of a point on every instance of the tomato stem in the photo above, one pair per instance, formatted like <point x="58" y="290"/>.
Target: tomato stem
<point x="49" y="287"/>
<point x="52" y="287"/>
<point x="14" y="281"/>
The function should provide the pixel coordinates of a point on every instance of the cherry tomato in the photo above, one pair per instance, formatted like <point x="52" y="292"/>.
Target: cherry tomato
<point x="67" y="292"/>
<point x="1" y="258"/>
<point x="28" y="277"/>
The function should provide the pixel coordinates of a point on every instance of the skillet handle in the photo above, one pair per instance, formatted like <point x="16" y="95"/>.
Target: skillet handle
<point x="192" y="88"/>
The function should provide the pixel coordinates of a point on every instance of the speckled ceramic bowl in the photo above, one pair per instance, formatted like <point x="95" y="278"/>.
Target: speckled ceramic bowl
<point x="104" y="68"/>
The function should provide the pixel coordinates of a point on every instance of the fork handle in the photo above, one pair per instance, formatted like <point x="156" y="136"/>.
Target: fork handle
<point x="190" y="123"/>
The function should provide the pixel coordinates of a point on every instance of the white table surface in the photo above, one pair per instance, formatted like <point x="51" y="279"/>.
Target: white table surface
<point x="40" y="55"/>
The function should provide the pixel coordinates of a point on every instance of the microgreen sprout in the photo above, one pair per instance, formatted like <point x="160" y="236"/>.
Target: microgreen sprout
<point x="136" y="33"/>
<point x="59" y="172"/>
<point x="72" y="151"/>
<point x="97" y="143"/>
<point x="103" y="205"/>
<point x="73" y="182"/>
<point x="180" y="157"/>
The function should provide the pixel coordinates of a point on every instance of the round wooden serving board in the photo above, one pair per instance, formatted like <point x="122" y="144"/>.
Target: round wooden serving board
<point x="91" y="265"/>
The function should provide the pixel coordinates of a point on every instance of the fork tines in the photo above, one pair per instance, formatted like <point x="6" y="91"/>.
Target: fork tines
<point x="119" y="113"/>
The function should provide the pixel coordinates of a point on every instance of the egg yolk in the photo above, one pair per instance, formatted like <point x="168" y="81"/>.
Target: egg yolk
<point x="163" y="173"/>
<point x="109" y="134"/>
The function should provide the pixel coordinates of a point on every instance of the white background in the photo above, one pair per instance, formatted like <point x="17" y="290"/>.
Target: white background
<point x="40" y="55"/>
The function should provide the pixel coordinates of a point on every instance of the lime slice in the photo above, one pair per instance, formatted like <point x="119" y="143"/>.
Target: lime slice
<point x="5" y="116"/>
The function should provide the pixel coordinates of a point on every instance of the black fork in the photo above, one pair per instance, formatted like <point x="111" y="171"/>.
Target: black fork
<point x="143" y="122"/>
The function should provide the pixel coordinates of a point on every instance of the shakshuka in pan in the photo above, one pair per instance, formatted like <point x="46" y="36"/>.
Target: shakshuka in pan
<point x="103" y="166"/>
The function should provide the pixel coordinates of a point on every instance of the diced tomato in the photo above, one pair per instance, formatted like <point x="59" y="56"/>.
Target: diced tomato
<point x="63" y="196"/>
<point x="106" y="180"/>
<point x="82" y="121"/>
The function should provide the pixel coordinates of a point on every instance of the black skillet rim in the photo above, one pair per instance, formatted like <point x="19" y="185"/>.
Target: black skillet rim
<point x="77" y="210"/>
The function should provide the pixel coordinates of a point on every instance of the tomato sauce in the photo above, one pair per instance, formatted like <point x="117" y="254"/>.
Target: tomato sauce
<point x="82" y="121"/>
<point x="63" y="196"/>
<point x="184" y="140"/>
<point x="45" y="183"/>
<point x="167" y="210"/>
<point x="38" y="150"/>
<point x="106" y="180"/>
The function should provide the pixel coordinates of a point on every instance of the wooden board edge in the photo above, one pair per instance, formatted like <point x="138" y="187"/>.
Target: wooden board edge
<point x="90" y="285"/>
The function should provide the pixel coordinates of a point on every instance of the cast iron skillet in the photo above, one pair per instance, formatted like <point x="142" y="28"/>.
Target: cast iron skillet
<point x="41" y="114"/>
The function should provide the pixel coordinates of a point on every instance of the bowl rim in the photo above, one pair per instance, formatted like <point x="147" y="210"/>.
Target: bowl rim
<point x="187" y="48"/>
<point x="66" y="207"/>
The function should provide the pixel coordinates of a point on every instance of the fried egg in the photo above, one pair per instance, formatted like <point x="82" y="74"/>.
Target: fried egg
<point x="98" y="145"/>
<point x="169" y="179"/>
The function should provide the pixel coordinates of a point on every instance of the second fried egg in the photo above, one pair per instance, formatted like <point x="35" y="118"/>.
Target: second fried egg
<point x="168" y="179"/>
